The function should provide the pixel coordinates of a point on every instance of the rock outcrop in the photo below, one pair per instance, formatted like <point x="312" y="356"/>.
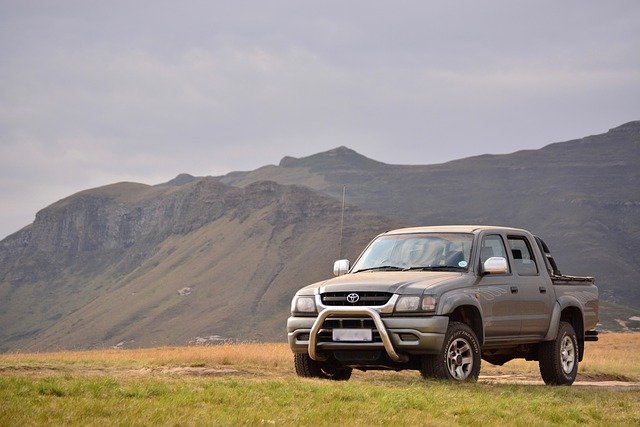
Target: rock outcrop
<point x="152" y="264"/>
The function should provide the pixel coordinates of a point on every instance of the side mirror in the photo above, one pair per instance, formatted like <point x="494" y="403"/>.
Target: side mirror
<point x="495" y="265"/>
<point x="341" y="267"/>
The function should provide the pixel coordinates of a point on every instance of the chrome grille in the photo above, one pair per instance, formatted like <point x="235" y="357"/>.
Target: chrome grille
<point x="364" y="298"/>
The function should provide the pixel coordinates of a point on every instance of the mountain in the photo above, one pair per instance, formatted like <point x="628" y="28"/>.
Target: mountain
<point x="199" y="259"/>
<point x="168" y="264"/>
<point x="581" y="196"/>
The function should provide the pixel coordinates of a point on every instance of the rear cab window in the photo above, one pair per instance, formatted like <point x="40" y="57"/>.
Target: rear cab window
<point x="524" y="261"/>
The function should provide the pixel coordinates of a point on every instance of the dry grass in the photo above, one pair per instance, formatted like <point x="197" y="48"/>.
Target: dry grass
<point x="614" y="355"/>
<point x="259" y="356"/>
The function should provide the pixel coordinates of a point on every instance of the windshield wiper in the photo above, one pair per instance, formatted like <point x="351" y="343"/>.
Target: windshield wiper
<point x="382" y="267"/>
<point x="435" y="268"/>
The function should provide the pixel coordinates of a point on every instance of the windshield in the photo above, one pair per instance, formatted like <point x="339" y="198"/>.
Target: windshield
<point x="423" y="251"/>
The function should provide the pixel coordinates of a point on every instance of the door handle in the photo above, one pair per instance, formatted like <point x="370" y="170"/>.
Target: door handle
<point x="543" y="290"/>
<point x="514" y="289"/>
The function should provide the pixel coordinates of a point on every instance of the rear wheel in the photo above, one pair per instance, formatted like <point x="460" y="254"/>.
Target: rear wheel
<point x="559" y="358"/>
<point x="458" y="360"/>
<point x="309" y="368"/>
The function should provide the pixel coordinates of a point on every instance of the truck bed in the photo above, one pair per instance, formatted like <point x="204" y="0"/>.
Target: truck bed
<point x="571" y="280"/>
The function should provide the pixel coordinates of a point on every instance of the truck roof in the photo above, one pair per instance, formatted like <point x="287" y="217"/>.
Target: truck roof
<point x="452" y="229"/>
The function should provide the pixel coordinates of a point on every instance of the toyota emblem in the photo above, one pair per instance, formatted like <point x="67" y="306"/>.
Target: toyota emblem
<point x="353" y="298"/>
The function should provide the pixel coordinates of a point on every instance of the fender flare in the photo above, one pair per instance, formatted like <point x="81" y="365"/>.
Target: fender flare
<point x="563" y="302"/>
<point x="552" y="332"/>
<point x="448" y="304"/>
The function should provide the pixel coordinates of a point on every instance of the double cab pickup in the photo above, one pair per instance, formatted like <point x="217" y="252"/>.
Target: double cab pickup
<point x="441" y="299"/>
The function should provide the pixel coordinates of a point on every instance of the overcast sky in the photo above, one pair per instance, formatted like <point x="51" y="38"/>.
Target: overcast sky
<point x="94" y="92"/>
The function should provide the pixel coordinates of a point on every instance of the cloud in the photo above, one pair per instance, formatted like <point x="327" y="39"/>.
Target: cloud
<point x="92" y="93"/>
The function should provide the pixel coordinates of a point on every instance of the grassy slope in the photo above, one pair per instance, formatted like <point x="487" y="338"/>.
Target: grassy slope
<point x="239" y="286"/>
<point x="615" y="317"/>
<point x="255" y="384"/>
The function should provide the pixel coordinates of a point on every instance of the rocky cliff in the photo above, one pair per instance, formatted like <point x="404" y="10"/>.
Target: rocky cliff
<point x="111" y="264"/>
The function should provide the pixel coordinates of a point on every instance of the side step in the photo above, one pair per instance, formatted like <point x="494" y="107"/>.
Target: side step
<point x="591" y="335"/>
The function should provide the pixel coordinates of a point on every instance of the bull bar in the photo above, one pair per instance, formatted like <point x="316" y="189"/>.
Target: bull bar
<point x="352" y="312"/>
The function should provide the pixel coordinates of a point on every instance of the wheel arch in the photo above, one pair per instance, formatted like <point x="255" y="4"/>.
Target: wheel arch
<point x="568" y="309"/>
<point x="470" y="316"/>
<point x="573" y="315"/>
<point x="465" y="308"/>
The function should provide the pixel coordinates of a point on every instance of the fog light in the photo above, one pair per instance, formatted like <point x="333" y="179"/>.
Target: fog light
<point x="303" y="337"/>
<point x="408" y="337"/>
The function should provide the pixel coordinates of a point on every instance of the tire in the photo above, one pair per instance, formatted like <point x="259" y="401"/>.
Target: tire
<point x="335" y="372"/>
<point x="305" y="366"/>
<point x="308" y="368"/>
<point x="426" y="366"/>
<point x="458" y="360"/>
<point x="559" y="358"/>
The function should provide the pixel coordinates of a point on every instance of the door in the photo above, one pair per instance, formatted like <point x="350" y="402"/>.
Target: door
<point x="536" y="298"/>
<point x="497" y="294"/>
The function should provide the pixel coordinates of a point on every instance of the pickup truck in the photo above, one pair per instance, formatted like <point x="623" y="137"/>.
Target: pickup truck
<point x="441" y="299"/>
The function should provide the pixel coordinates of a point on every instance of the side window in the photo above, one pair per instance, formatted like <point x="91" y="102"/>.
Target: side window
<point x="492" y="245"/>
<point x="524" y="261"/>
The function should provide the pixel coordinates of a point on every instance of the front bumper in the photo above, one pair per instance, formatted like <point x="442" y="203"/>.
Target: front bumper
<point x="398" y="336"/>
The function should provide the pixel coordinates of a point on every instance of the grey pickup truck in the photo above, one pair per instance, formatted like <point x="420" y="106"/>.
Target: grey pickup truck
<point x="440" y="299"/>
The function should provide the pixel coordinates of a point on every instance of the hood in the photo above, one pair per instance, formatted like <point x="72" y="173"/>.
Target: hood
<point x="400" y="282"/>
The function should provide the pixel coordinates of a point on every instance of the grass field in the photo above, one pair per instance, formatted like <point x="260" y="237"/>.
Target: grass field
<point x="255" y="384"/>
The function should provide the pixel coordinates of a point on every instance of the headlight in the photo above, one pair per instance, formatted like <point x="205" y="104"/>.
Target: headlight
<point x="415" y="303"/>
<point x="408" y="303"/>
<point x="304" y="304"/>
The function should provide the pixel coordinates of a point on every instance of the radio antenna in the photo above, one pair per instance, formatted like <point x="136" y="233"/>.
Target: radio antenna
<point x="344" y="192"/>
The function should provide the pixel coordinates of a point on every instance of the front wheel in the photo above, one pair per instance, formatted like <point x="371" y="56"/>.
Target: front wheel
<point x="559" y="358"/>
<point x="458" y="360"/>
<point x="309" y="368"/>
